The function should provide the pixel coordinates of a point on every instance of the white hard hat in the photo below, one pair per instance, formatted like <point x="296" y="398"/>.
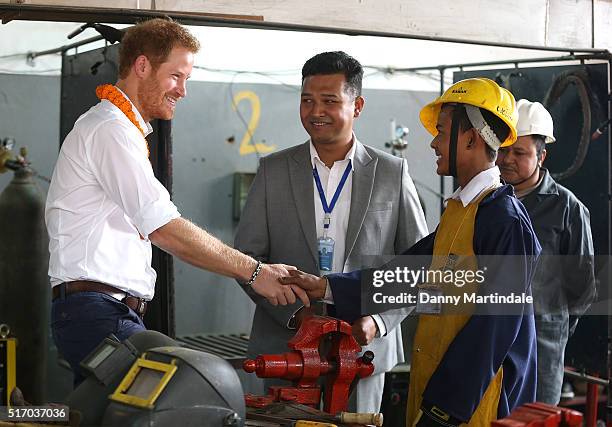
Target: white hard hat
<point x="534" y="119"/>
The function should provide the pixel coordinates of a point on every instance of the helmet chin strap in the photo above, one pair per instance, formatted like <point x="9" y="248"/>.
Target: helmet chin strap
<point x="452" y="146"/>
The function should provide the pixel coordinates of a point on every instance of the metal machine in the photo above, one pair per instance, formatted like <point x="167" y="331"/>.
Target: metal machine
<point x="7" y="365"/>
<point x="149" y="379"/>
<point x="540" y="414"/>
<point x="105" y="368"/>
<point x="24" y="286"/>
<point x="177" y="386"/>
<point x="305" y="365"/>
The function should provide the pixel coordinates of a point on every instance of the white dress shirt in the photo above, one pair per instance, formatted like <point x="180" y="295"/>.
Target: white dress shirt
<point x="489" y="178"/>
<point x="103" y="202"/>
<point x="330" y="179"/>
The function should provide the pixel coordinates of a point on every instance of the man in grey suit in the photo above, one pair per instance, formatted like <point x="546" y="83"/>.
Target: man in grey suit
<point x="325" y="205"/>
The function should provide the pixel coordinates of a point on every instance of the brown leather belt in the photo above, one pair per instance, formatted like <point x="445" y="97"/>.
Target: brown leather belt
<point x="139" y="305"/>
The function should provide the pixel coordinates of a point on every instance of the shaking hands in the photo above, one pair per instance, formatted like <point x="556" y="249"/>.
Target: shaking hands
<point x="283" y="284"/>
<point x="268" y="285"/>
<point x="313" y="286"/>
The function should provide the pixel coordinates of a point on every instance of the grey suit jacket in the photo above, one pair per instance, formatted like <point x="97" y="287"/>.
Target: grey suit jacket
<point x="278" y="226"/>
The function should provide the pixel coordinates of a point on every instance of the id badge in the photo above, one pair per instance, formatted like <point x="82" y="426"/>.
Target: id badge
<point x="428" y="301"/>
<point x="326" y="253"/>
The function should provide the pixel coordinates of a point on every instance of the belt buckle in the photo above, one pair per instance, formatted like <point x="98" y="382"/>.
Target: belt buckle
<point x="141" y="306"/>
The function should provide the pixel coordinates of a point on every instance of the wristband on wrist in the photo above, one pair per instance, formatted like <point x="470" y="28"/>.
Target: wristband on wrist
<point x="255" y="274"/>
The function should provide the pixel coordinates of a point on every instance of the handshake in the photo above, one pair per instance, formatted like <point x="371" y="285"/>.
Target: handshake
<point x="284" y="284"/>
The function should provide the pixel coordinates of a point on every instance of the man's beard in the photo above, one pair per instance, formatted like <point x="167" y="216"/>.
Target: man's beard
<point x="151" y="98"/>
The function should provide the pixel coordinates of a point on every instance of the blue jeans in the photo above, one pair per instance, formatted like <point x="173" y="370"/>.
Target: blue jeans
<point x="81" y="321"/>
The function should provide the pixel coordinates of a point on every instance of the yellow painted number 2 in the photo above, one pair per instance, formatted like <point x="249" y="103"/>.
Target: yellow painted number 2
<point x="247" y="145"/>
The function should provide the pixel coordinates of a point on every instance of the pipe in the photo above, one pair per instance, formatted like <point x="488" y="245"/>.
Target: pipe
<point x="586" y="378"/>
<point x="601" y="55"/>
<point x="590" y="416"/>
<point x="62" y="49"/>
<point x="70" y="14"/>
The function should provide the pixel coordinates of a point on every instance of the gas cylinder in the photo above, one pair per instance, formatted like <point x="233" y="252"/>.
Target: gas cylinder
<point x="25" y="299"/>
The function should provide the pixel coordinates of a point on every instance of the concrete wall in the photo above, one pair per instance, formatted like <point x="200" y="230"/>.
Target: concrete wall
<point x="29" y="112"/>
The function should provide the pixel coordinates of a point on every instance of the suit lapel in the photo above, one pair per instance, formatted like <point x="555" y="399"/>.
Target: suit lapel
<point x="363" y="182"/>
<point x="300" y="174"/>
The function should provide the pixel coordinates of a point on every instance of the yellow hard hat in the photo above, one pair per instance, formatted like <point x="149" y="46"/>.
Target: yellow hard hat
<point x="479" y="92"/>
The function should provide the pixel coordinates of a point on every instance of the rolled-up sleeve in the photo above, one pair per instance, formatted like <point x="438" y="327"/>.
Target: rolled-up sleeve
<point x="117" y="159"/>
<point x="156" y="214"/>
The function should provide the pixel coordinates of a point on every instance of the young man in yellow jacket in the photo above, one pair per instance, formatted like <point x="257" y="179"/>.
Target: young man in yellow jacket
<point x="471" y="363"/>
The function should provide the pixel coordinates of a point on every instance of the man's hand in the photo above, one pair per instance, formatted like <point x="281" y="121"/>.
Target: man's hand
<point x="313" y="285"/>
<point x="364" y="330"/>
<point x="268" y="286"/>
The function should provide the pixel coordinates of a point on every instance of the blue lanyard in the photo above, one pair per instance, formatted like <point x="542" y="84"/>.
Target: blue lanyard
<point x="329" y="208"/>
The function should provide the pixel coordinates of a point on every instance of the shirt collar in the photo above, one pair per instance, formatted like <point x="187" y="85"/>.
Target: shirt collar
<point x="548" y="184"/>
<point x="144" y="125"/>
<point x="521" y="194"/>
<point x="314" y="156"/>
<point x="484" y="180"/>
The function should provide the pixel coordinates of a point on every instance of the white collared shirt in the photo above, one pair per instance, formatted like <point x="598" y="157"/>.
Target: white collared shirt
<point x="103" y="202"/>
<point x="489" y="178"/>
<point x="330" y="179"/>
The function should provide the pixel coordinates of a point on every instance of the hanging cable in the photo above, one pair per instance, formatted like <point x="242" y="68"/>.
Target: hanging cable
<point x="580" y="80"/>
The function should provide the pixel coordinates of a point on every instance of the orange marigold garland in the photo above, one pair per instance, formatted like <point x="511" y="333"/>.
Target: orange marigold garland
<point x="112" y="94"/>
